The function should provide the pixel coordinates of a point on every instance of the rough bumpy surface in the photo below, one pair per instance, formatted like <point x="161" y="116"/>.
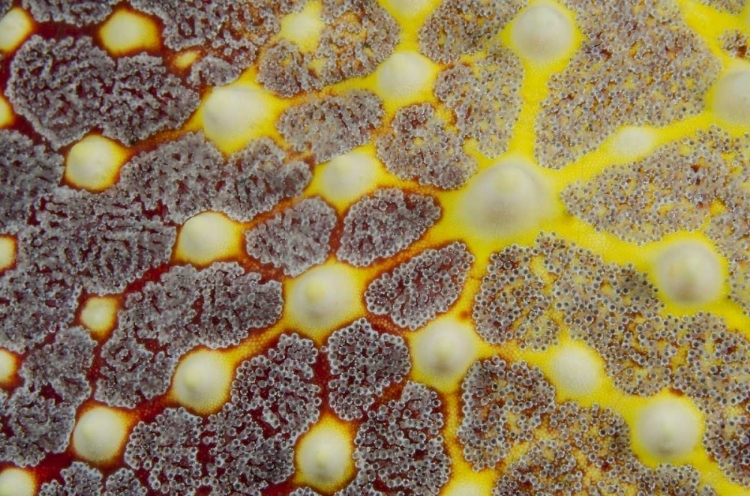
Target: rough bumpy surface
<point x="27" y="172"/>
<point x="34" y="305"/>
<point x="357" y="37"/>
<point x="407" y="457"/>
<point x="415" y="292"/>
<point x="485" y="98"/>
<point x="363" y="363"/>
<point x="273" y="401"/>
<point x="295" y="239"/>
<point x="167" y="448"/>
<point x="605" y="86"/>
<point x="75" y="12"/>
<point x="104" y="241"/>
<point x="330" y="126"/>
<point x="215" y="307"/>
<point x="504" y="403"/>
<point x="476" y="295"/>
<point x="59" y="86"/>
<point x="673" y="189"/>
<point x="383" y="224"/>
<point x="458" y="27"/>
<point x="420" y="148"/>
<point x="133" y="115"/>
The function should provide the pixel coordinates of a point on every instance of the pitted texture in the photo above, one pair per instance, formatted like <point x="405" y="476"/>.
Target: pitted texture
<point x="485" y="98"/>
<point x="358" y="36"/>
<point x="382" y="224"/>
<point x="671" y="190"/>
<point x="104" y="241"/>
<point x="182" y="178"/>
<point x="38" y="418"/>
<point x="503" y="405"/>
<point x="273" y="401"/>
<point x="417" y="291"/>
<point x="145" y="99"/>
<point x="27" y="173"/>
<point x="34" y="304"/>
<point x="167" y="448"/>
<point x="459" y="27"/>
<point x="587" y="449"/>
<point x="363" y="363"/>
<point x="295" y="239"/>
<point x="76" y="12"/>
<point x="639" y="65"/>
<point x="331" y="125"/>
<point x="405" y="456"/>
<point x="420" y="148"/>
<point x="215" y="307"/>
<point x="78" y="478"/>
<point x="60" y="86"/>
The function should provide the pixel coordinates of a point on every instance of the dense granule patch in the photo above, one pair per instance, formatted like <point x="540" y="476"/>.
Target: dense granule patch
<point x="363" y="363"/>
<point x="416" y="291"/>
<point x="639" y="65"/>
<point x="484" y="97"/>
<point x="420" y="147"/>
<point x="382" y="224"/>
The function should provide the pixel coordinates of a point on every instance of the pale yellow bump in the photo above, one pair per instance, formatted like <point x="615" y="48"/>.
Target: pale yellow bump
<point x="8" y="365"/>
<point x="94" y="163"/>
<point x="100" y="434"/>
<point x="730" y="97"/>
<point x="406" y="77"/>
<point x="129" y="32"/>
<point x="232" y="115"/>
<point x="6" y="113"/>
<point x="202" y="381"/>
<point x="99" y="315"/>
<point x="632" y="143"/>
<point x="323" y="298"/>
<point x="689" y="272"/>
<point x="209" y="237"/>
<point x="17" y="482"/>
<point x="304" y="28"/>
<point x="575" y="370"/>
<point x="542" y="33"/>
<point x="7" y="252"/>
<point x="442" y="353"/>
<point x="409" y="9"/>
<point x="324" y="455"/>
<point x="186" y="59"/>
<point x="467" y="488"/>
<point x="505" y="199"/>
<point x="347" y="177"/>
<point x="668" y="428"/>
<point x="15" y="27"/>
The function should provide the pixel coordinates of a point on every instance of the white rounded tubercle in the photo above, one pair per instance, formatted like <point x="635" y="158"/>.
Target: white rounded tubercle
<point x="689" y="273"/>
<point x="668" y="428"/>
<point x="542" y="33"/>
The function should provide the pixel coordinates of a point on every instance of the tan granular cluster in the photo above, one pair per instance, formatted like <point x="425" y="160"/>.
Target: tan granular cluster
<point x="316" y="247"/>
<point x="420" y="147"/>
<point x="458" y="27"/>
<point x="675" y="189"/>
<point x="672" y="189"/>
<point x="382" y="224"/>
<point x="331" y="125"/>
<point x="639" y="65"/>
<point x="484" y="97"/>
<point x="356" y="38"/>
<point x="736" y="43"/>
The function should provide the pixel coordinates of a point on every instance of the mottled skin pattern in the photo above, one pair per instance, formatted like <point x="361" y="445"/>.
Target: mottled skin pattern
<point x="581" y="275"/>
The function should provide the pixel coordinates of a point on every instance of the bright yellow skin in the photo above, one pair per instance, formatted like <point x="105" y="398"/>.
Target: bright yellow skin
<point x="707" y="22"/>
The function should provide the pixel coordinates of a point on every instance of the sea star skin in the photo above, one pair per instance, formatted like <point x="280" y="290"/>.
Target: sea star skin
<point x="276" y="259"/>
